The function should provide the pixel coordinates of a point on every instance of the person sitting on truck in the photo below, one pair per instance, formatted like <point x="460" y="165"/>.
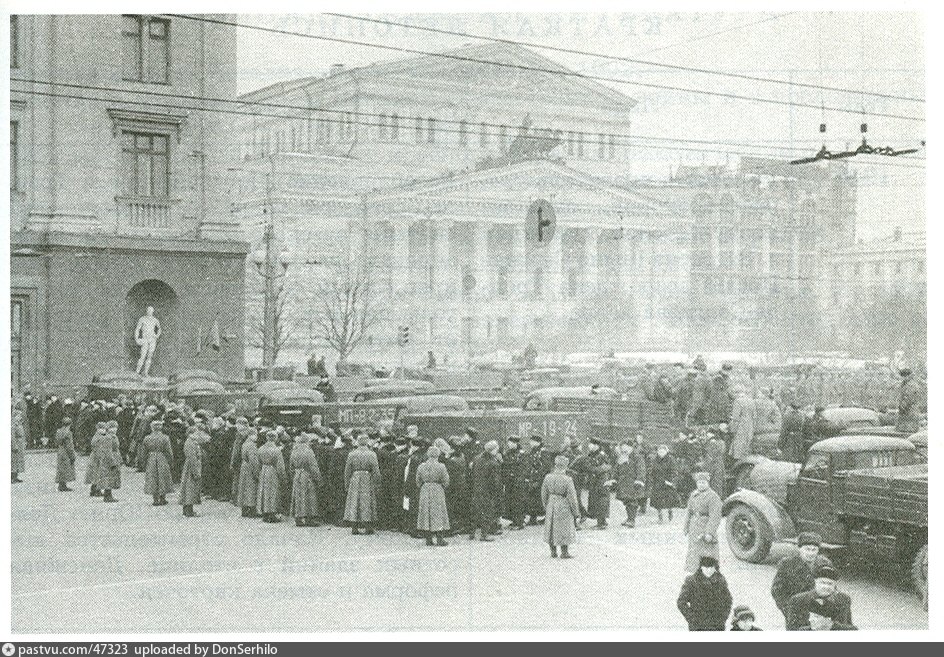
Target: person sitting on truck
<point x="326" y="389"/>
<point x="795" y="573"/>
<point x="824" y="588"/>
<point x="824" y="615"/>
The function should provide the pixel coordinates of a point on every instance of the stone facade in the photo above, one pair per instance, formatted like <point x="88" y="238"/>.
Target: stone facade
<point x="121" y="197"/>
<point x="408" y="169"/>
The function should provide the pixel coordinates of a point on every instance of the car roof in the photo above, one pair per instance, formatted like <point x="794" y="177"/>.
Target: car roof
<point x="860" y="444"/>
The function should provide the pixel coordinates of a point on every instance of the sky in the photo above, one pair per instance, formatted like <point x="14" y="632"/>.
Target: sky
<point x="873" y="52"/>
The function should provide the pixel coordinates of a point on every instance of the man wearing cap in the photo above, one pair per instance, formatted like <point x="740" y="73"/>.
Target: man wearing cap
<point x="271" y="478"/>
<point x="486" y="489"/>
<point x="795" y="573"/>
<point x="387" y="498"/>
<point x="791" y="435"/>
<point x="534" y="467"/>
<point x="702" y="518"/>
<point x="65" y="455"/>
<point x="560" y="508"/>
<point x="336" y="482"/>
<point x="824" y="589"/>
<point x="705" y="599"/>
<point x="598" y="469"/>
<point x="362" y="478"/>
<point x="406" y="468"/>
<point x="513" y="476"/>
<point x="824" y="615"/>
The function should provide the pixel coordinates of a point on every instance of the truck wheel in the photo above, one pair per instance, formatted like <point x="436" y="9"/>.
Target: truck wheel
<point x="919" y="574"/>
<point x="749" y="534"/>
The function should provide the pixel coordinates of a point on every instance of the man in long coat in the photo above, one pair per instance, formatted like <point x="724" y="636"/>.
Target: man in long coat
<point x="362" y="478"/>
<point x="909" y="403"/>
<point x="390" y="498"/>
<point x="93" y="464"/>
<point x="486" y="489"/>
<point x="561" y="509"/>
<point x="157" y="477"/>
<point x="457" y="495"/>
<point x="109" y="462"/>
<point x="248" y="492"/>
<point x="306" y="478"/>
<point x="791" y="435"/>
<point x="192" y="472"/>
<point x="630" y="475"/>
<point x="598" y="469"/>
<point x="514" y="483"/>
<point x="702" y="519"/>
<point x="65" y="455"/>
<point x="407" y="465"/>
<point x="743" y="420"/>
<point x="536" y="465"/>
<point x="337" y="484"/>
<point x="18" y="447"/>
<point x="271" y="478"/>
<point x="432" y="515"/>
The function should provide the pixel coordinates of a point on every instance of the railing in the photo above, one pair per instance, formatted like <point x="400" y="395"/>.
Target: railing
<point x="147" y="215"/>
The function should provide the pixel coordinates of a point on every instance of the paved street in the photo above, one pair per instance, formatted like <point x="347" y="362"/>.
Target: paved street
<point x="80" y="565"/>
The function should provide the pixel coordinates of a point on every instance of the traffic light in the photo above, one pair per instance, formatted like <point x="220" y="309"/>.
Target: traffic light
<point x="403" y="336"/>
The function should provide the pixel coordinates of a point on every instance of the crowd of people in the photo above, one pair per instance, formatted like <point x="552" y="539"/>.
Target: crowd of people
<point x="399" y="481"/>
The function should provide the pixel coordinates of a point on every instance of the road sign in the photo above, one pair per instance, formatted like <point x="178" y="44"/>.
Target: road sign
<point x="541" y="222"/>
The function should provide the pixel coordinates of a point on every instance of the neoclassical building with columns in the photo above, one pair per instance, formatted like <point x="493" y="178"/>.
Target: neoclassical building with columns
<point x="422" y="172"/>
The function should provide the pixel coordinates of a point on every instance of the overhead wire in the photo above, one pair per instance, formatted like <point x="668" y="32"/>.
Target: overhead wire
<point x="561" y="71"/>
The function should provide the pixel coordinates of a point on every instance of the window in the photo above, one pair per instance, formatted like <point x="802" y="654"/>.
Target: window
<point x="431" y="130"/>
<point x="898" y="268"/>
<point x="463" y="133"/>
<point x="467" y="330"/>
<point x="146" y="49"/>
<point x="612" y="147"/>
<point x="394" y="127"/>
<point x="538" y="283"/>
<point x="878" y="269"/>
<point x="483" y="135"/>
<point x="468" y="281"/>
<point x="573" y="283"/>
<point x="419" y="130"/>
<point x="579" y="144"/>
<point x="323" y="131"/>
<point x="602" y="151"/>
<point x="14" y="154"/>
<point x="146" y="162"/>
<point x="17" y="325"/>
<point x="14" y="41"/>
<point x="501" y="331"/>
<point x="503" y="136"/>
<point x="857" y="270"/>
<point x="502" y="282"/>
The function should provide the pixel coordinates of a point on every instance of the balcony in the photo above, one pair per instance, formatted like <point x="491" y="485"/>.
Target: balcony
<point x="149" y="216"/>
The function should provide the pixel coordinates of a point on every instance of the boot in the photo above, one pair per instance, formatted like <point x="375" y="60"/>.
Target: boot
<point x="108" y="497"/>
<point x="162" y="500"/>
<point x="63" y="488"/>
<point x="188" y="511"/>
<point x="564" y="553"/>
<point x="429" y="540"/>
<point x="440" y="540"/>
<point x="299" y="522"/>
<point x="472" y="535"/>
<point x="14" y="479"/>
<point x="355" y="530"/>
<point x="368" y="529"/>
<point x="245" y="512"/>
<point x="553" y="551"/>
<point x="157" y="501"/>
<point x="486" y="538"/>
<point x="95" y="492"/>
<point x="311" y="522"/>
<point x="670" y="515"/>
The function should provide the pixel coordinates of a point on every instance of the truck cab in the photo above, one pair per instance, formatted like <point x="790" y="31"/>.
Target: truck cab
<point x="814" y="499"/>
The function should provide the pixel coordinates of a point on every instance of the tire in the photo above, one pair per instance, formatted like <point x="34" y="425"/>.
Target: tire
<point x="919" y="574"/>
<point x="749" y="534"/>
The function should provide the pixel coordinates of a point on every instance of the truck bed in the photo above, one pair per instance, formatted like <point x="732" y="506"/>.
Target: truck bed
<point x="893" y="494"/>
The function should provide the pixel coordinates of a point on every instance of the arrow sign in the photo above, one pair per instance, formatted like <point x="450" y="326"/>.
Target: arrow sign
<point x="541" y="222"/>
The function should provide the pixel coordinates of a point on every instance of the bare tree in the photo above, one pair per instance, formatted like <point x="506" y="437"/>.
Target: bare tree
<point x="346" y="308"/>
<point x="284" y="324"/>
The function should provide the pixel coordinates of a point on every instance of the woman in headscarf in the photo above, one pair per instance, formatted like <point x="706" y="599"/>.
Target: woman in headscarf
<point x="561" y="508"/>
<point x="192" y="471"/>
<point x="157" y="479"/>
<point x="432" y="479"/>
<point x="249" y="475"/>
<point x="306" y="478"/>
<point x="65" y="455"/>
<point x="362" y="477"/>
<point x="271" y="476"/>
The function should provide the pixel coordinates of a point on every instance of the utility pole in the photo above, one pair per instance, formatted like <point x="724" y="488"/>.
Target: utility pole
<point x="268" y="263"/>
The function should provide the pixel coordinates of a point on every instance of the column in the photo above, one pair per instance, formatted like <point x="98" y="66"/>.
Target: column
<point x="518" y="275"/>
<point x="553" y="266"/>
<point x="480" y="260"/>
<point x="441" y="259"/>
<point x="400" y="258"/>
<point x="591" y="237"/>
<point x="645" y="297"/>
<point x="628" y="261"/>
<point x="765" y="260"/>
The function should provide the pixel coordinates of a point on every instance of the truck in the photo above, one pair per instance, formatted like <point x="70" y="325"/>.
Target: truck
<point x="866" y="495"/>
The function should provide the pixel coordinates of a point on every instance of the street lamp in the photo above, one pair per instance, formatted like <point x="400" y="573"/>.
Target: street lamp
<point x="268" y="265"/>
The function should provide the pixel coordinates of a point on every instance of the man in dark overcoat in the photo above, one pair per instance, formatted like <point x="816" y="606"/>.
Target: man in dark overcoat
<point x="486" y="489"/>
<point x="795" y="572"/>
<point x="514" y="483"/>
<point x="705" y="599"/>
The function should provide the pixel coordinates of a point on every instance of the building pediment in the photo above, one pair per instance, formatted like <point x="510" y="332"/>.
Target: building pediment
<point x="518" y="185"/>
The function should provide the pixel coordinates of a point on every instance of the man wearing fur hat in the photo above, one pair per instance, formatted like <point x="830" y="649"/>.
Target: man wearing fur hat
<point x="824" y="588"/>
<point x="702" y="518"/>
<point x="705" y="599"/>
<point x="795" y="573"/>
